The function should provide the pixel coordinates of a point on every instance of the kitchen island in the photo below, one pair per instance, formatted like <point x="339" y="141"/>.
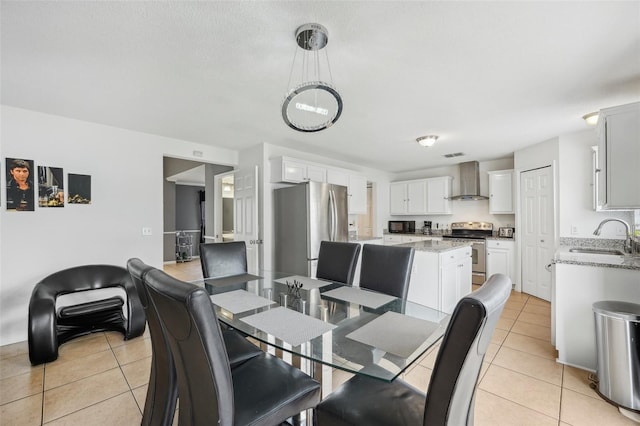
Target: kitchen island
<point x="441" y="273"/>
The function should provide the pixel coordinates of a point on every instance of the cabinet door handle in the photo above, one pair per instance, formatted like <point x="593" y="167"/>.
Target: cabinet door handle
<point x="548" y="267"/>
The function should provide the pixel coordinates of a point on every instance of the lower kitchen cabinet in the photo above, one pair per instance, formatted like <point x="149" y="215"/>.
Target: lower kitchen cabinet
<point x="575" y="289"/>
<point x="440" y="280"/>
<point x="500" y="258"/>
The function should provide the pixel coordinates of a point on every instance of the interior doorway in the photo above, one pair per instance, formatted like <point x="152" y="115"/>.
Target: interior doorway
<point x="224" y="192"/>
<point x="366" y="221"/>
<point x="188" y="205"/>
<point x="537" y="208"/>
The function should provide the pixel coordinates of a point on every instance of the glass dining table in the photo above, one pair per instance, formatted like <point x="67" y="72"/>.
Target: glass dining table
<point x="327" y="324"/>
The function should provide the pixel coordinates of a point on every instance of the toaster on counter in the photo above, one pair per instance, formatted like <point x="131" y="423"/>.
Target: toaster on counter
<point x="506" y="232"/>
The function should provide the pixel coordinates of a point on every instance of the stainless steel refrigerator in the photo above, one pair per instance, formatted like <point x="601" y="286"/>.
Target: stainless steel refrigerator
<point x="305" y="215"/>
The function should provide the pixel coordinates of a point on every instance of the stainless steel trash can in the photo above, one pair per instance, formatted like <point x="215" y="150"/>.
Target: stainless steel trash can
<point x="618" y="351"/>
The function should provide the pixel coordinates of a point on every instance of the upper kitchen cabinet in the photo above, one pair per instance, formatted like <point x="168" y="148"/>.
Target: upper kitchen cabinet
<point x="421" y="196"/>
<point x="289" y="170"/>
<point x="356" y="189"/>
<point x="501" y="192"/>
<point x="438" y="193"/>
<point x="618" y="157"/>
<point x="408" y="198"/>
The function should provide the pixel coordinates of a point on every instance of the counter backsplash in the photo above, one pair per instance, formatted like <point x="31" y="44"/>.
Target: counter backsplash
<point x="592" y="242"/>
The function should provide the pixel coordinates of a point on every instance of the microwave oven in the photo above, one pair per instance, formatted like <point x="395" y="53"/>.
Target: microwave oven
<point x="402" y="226"/>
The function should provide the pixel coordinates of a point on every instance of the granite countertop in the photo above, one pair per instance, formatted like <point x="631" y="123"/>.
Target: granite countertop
<point x="435" y="246"/>
<point x="359" y="239"/>
<point x="415" y="234"/>
<point x="495" y="237"/>
<point x="564" y="256"/>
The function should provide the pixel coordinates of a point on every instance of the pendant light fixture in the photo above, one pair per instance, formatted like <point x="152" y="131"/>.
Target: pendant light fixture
<point x="311" y="104"/>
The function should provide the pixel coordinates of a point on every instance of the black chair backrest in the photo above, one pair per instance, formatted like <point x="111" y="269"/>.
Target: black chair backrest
<point x="451" y="394"/>
<point x="337" y="261"/>
<point x="162" y="392"/>
<point x="223" y="259"/>
<point x="386" y="269"/>
<point x="202" y="365"/>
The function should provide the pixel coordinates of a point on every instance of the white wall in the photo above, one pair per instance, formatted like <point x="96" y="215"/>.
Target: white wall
<point x="575" y="190"/>
<point x="126" y="179"/>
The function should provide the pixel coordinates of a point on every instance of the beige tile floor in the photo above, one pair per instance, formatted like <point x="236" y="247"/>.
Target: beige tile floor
<point x="101" y="379"/>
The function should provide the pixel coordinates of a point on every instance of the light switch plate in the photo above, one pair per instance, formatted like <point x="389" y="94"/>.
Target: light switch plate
<point x="147" y="231"/>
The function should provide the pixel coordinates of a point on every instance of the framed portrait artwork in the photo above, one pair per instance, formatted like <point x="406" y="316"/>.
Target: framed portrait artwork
<point x="20" y="189"/>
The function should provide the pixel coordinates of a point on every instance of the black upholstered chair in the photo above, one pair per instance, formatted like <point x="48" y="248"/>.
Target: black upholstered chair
<point x="220" y="260"/>
<point x="451" y="394"/>
<point x="261" y="391"/>
<point x="162" y="391"/>
<point x="79" y="301"/>
<point x="386" y="269"/>
<point x="337" y="261"/>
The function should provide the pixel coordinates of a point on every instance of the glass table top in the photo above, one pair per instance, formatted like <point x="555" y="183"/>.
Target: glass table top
<point x="345" y="327"/>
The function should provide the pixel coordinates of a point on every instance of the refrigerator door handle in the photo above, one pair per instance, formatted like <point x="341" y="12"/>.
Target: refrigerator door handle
<point x="334" y="213"/>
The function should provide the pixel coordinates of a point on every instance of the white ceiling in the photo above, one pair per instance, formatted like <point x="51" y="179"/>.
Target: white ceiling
<point x="488" y="77"/>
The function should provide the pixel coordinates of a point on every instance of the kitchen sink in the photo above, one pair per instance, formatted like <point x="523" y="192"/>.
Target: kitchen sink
<point x="587" y="250"/>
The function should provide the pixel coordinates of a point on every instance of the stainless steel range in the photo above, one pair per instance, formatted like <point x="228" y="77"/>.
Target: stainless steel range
<point x="476" y="232"/>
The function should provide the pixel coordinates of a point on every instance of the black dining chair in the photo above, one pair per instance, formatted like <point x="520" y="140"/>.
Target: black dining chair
<point x="451" y="395"/>
<point x="386" y="269"/>
<point x="162" y="391"/>
<point x="220" y="260"/>
<point x="337" y="261"/>
<point x="261" y="391"/>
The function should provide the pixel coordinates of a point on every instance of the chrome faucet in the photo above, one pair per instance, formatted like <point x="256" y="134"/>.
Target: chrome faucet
<point x="627" y="242"/>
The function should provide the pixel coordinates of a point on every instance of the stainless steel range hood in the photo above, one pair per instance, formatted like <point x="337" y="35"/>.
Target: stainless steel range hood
<point x="469" y="182"/>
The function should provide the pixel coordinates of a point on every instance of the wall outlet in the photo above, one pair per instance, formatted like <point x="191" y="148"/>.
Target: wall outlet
<point x="147" y="231"/>
<point x="574" y="229"/>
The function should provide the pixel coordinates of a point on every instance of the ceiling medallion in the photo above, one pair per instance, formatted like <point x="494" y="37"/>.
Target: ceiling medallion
<point x="311" y="104"/>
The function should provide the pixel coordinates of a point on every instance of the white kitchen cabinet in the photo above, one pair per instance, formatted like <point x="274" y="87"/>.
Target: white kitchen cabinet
<point x="438" y="193"/>
<point x="455" y="276"/>
<point x="356" y="189"/>
<point x="398" y="198"/>
<point x="500" y="258"/>
<point x="619" y="156"/>
<point x="408" y="198"/>
<point x="285" y="169"/>
<point x="575" y="289"/>
<point x="501" y="192"/>
<point x="440" y="280"/>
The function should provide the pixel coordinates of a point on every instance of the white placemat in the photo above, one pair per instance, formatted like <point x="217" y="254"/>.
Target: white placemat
<point x="366" y="298"/>
<point x="234" y="279"/>
<point x="239" y="301"/>
<point x="288" y="325"/>
<point x="307" y="283"/>
<point x="394" y="333"/>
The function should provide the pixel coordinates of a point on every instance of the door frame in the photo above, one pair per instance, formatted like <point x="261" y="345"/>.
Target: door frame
<point x="217" y="206"/>
<point x="518" y="220"/>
